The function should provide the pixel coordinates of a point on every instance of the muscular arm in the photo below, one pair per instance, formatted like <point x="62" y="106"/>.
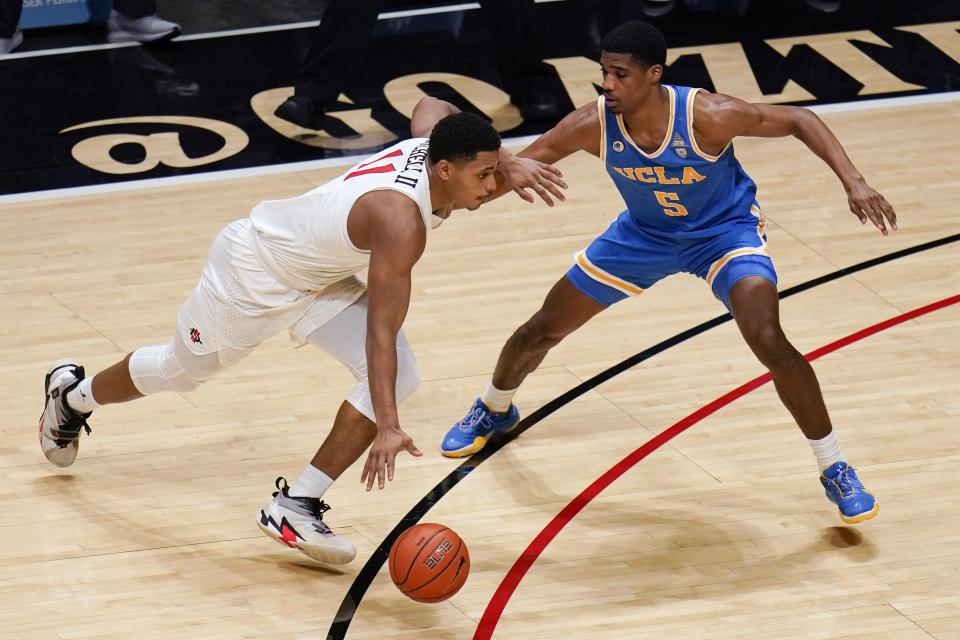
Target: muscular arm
<point x="396" y="237"/>
<point x="718" y="118"/>
<point x="543" y="179"/>
<point x="579" y="130"/>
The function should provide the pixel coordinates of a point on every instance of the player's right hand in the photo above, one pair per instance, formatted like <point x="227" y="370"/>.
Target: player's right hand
<point x="383" y="452"/>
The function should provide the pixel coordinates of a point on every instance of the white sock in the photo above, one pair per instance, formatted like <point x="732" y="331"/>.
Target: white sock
<point x="497" y="400"/>
<point x="827" y="450"/>
<point x="80" y="399"/>
<point x="312" y="483"/>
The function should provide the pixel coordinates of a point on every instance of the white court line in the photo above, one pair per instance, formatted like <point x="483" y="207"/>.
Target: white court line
<point x="887" y="103"/>
<point x="468" y="6"/>
<point x="348" y="161"/>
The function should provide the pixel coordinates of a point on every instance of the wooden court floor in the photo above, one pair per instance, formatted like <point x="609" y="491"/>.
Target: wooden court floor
<point x="724" y="532"/>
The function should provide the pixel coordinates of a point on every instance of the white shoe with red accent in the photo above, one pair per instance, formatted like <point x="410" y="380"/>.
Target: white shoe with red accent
<point x="298" y="523"/>
<point x="59" y="424"/>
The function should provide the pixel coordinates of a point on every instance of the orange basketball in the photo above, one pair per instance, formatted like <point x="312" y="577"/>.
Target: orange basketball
<point x="429" y="562"/>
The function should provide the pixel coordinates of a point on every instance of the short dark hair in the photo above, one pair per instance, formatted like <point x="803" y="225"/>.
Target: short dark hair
<point x="640" y="39"/>
<point x="461" y="136"/>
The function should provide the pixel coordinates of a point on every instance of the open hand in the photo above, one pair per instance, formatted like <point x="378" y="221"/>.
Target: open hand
<point x="383" y="452"/>
<point x="867" y="203"/>
<point x="527" y="173"/>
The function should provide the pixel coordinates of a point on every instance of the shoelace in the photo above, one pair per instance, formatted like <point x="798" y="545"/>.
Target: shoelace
<point x="472" y="418"/>
<point x="843" y="482"/>
<point x="320" y="508"/>
<point x="70" y="430"/>
<point x="316" y="506"/>
<point x="82" y="422"/>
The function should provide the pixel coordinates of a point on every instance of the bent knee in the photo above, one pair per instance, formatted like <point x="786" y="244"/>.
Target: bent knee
<point x="772" y="347"/>
<point x="164" y="368"/>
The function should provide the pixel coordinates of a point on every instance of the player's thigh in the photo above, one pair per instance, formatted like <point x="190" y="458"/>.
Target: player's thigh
<point x="621" y="262"/>
<point x="755" y="305"/>
<point x="236" y="305"/>
<point x="734" y="252"/>
<point x="209" y="324"/>
<point x="344" y="336"/>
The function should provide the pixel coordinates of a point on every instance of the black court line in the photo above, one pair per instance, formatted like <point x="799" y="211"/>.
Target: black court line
<point x="366" y="575"/>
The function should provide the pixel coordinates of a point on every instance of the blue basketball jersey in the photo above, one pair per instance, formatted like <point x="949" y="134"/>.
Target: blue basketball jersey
<point x="678" y="187"/>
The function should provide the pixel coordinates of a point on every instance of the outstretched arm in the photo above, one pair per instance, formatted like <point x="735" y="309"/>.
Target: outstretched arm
<point x="397" y="237"/>
<point x="719" y="118"/>
<point x="514" y="173"/>
<point x="578" y="130"/>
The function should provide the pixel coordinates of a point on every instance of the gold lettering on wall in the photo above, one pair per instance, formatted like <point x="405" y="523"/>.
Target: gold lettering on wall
<point x="942" y="35"/>
<point x="838" y="49"/>
<point x="371" y="133"/>
<point x="403" y="93"/>
<point x="159" y="148"/>
<point x="730" y="73"/>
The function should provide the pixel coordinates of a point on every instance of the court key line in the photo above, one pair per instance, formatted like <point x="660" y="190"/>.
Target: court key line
<point x="366" y="575"/>
<point x="511" y="581"/>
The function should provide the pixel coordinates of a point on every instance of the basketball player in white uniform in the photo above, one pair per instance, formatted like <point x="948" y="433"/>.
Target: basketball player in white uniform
<point x="292" y="265"/>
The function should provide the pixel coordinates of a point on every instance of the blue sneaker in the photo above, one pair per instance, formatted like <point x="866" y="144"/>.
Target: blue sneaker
<point x="844" y="489"/>
<point x="471" y="434"/>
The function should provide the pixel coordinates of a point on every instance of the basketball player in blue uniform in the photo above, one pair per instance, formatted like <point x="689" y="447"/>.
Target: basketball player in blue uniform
<point x="690" y="208"/>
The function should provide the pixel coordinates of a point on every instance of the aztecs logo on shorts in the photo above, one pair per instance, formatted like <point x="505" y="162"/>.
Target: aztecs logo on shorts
<point x="195" y="335"/>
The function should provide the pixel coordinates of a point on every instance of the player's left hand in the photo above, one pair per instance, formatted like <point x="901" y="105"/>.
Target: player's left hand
<point x="868" y="204"/>
<point x="383" y="452"/>
<point x="542" y="178"/>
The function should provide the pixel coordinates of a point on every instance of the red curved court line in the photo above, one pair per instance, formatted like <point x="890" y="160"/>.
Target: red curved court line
<point x="498" y="602"/>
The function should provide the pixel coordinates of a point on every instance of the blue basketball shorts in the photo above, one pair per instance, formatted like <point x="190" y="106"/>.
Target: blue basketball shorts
<point x="627" y="259"/>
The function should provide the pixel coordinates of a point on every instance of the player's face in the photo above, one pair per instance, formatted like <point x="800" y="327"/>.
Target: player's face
<point x="472" y="181"/>
<point x="627" y="83"/>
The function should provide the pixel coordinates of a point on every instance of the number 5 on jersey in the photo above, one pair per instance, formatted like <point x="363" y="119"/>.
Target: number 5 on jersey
<point x="670" y="203"/>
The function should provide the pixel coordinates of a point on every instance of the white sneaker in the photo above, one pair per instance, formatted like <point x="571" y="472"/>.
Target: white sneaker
<point x="298" y="523"/>
<point x="59" y="424"/>
<point x="9" y="44"/>
<point x="146" y="29"/>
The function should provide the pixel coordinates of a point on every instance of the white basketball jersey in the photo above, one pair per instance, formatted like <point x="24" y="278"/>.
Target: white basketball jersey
<point x="303" y="241"/>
